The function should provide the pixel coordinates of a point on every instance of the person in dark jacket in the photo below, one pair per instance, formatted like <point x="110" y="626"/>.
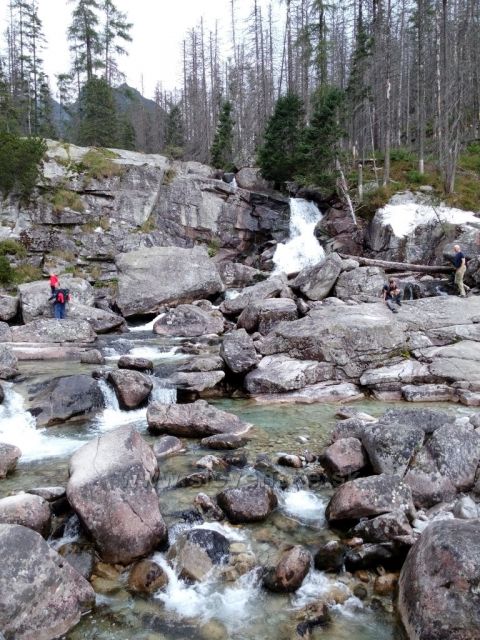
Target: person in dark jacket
<point x="392" y="296"/>
<point x="60" y="298"/>
<point x="460" y="268"/>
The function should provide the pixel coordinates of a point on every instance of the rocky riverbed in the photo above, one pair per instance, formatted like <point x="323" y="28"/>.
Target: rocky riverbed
<point x="240" y="445"/>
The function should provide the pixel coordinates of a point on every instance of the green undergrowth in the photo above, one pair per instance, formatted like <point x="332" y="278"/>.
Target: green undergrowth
<point x="62" y="199"/>
<point x="12" y="248"/>
<point x="98" y="163"/>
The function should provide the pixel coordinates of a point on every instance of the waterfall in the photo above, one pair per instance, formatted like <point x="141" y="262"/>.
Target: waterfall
<point x="163" y="393"/>
<point x="148" y="326"/>
<point x="302" y="249"/>
<point x="18" y="427"/>
<point x="109" y="396"/>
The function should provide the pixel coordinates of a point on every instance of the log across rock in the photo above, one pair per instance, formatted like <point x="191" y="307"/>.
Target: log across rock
<point x="111" y="490"/>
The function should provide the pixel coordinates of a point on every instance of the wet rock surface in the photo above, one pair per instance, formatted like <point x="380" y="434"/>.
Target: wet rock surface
<point x="9" y="454"/>
<point x="287" y="576"/>
<point x="195" y="420"/>
<point x="189" y="321"/>
<point x="42" y="595"/>
<point x="132" y="387"/>
<point x="66" y="398"/>
<point x="27" y="510"/>
<point x="251" y="503"/>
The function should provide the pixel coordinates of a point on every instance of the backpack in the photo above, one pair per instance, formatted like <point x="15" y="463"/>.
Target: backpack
<point x="62" y="296"/>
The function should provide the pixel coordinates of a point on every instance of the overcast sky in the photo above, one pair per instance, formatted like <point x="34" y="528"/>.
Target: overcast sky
<point x="159" y="27"/>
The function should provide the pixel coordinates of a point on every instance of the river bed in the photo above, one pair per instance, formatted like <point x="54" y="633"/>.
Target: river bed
<point x="239" y="610"/>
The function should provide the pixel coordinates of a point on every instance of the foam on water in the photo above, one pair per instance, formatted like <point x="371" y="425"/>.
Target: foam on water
<point x="304" y="506"/>
<point x="315" y="585"/>
<point x="18" y="427"/>
<point x="231" y="604"/>
<point x="302" y="249"/>
<point x="155" y="353"/>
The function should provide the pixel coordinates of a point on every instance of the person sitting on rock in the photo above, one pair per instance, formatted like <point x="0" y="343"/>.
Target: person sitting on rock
<point x="392" y="295"/>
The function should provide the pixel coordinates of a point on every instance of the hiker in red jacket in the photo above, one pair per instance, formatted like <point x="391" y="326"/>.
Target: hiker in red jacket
<point x="54" y="282"/>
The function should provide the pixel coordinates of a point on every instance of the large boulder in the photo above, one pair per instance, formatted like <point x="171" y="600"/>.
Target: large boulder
<point x="279" y="374"/>
<point x="110" y="488"/>
<point x="9" y="454"/>
<point x="250" y="503"/>
<point x="194" y="420"/>
<point x="236" y="274"/>
<point x="28" y="510"/>
<point x="131" y="387"/>
<point x="8" y="363"/>
<point x="51" y="330"/>
<point x="188" y="320"/>
<point x="42" y="595"/>
<point x="264" y="315"/>
<point x="385" y="528"/>
<point x="447" y="463"/>
<point x="250" y="178"/>
<point x="290" y="571"/>
<point x="196" y="552"/>
<point x="438" y="590"/>
<point x="317" y="281"/>
<point x="370" y="496"/>
<point x="271" y="288"/>
<point x="100" y="320"/>
<point x="238" y="351"/>
<point x="354" y="338"/>
<point x="152" y="278"/>
<point x="8" y="307"/>
<point x="344" y="457"/>
<point x="391" y="447"/>
<point x="34" y="296"/>
<point x="363" y="282"/>
<point x="65" y="398"/>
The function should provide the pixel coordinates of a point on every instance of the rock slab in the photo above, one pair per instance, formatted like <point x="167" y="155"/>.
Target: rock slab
<point x="110" y="488"/>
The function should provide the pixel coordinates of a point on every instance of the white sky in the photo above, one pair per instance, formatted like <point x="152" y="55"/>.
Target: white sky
<point x="159" y="27"/>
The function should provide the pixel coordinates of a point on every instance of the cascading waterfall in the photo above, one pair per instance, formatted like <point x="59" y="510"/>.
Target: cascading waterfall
<point x="18" y="427"/>
<point x="302" y="249"/>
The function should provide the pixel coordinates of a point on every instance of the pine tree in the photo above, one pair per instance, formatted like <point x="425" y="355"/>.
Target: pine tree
<point x="175" y="137"/>
<point x="116" y="29"/>
<point x="98" y="117"/>
<point x="85" y="39"/>
<point x="221" y="151"/>
<point x="278" y="157"/>
<point x="319" y="144"/>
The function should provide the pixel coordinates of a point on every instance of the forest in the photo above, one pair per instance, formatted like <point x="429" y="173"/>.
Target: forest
<point x="308" y="89"/>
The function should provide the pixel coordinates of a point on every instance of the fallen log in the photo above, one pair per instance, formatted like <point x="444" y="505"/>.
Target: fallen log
<point x="399" y="266"/>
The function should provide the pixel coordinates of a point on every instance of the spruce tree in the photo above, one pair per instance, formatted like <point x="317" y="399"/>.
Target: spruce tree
<point x="279" y="157"/>
<point x="116" y="30"/>
<point x="174" y="133"/>
<point x="221" y="151"/>
<point x="98" y="117"/>
<point x="85" y="38"/>
<point x="320" y="140"/>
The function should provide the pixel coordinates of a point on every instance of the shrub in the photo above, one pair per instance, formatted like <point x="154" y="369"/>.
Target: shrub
<point x="26" y="273"/>
<point x="6" y="271"/>
<point x="169" y="176"/>
<point x="415" y="177"/>
<point x="20" y="163"/>
<point x="12" y="248"/>
<point x="174" y="153"/>
<point x="62" y="199"/>
<point x="97" y="163"/>
<point x="401" y="155"/>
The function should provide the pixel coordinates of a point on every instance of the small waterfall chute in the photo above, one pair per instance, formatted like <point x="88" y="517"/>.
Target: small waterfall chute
<point x="302" y="249"/>
<point x="163" y="392"/>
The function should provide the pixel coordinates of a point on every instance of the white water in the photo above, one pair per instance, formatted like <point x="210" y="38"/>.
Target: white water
<point x="148" y="326"/>
<point x="302" y="249"/>
<point x="152" y="353"/>
<point x="18" y="427"/>
<point x="161" y="393"/>
<point x="232" y="604"/>
<point x="305" y="506"/>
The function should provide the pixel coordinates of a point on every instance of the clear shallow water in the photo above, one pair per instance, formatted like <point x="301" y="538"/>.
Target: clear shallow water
<point x="216" y="609"/>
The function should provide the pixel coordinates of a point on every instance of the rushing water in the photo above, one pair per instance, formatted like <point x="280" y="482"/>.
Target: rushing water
<point x="215" y="608"/>
<point x="302" y="249"/>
